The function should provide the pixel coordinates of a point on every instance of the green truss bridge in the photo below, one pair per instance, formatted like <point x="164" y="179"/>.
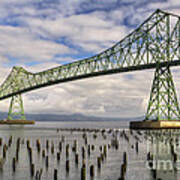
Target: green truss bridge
<point x="154" y="44"/>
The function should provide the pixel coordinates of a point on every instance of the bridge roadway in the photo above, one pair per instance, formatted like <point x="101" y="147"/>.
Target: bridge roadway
<point x="100" y="73"/>
<point x="154" y="43"/>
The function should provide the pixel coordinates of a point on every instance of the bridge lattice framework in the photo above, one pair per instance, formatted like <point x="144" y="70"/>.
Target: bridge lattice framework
<point x="154" y="44"/>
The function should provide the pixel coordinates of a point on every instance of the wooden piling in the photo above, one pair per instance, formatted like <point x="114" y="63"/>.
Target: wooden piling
<point x="4" y="150"/>
<point x="105" y="151"/>
<point x="58" y="156"/>
<point x="74" y="148"/>
<point x="47" y="144"/>
<point x="100" y="148"/>
<point x="124" y="158"/>
<point x="83" y="172"/>
<point x="28" y="143"/>
<point x="47" y="162"/>
<point x="43" y="153"/>
<point x="99" y="163"/>
<point x="137" y="147"/>
<point x="38" y="145"/>
<point x="123" y="170"/>
<point x="30" y="154"/>
<point x="102" y="157"/>
<point x="10" y="141"/>
<point x="67" y="166"/>
<point x="17" y="154"/>
<point x="40" y="174"/>
<point x="91" y="171"/>
<point x="76" y="158"/>
<point x="32" y="169"/>
<point x="83" y="153"/>
<point x="14" y="164"/>
<point x="52" y="147"/>
<point x="89" y="150"/>
<point x="67" y="150"/>
<point x="0" y="141"/>
<point x="55" y="174"/>
<point x="92" y="147"/>
<point x="37" y="175"/>
<point x="60" y="146"/>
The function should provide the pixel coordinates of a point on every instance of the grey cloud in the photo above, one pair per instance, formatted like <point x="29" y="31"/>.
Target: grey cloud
<point x="115" y="95"/>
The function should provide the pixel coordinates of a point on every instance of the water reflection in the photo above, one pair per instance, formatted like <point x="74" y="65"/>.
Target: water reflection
<point x="163" y="149"/>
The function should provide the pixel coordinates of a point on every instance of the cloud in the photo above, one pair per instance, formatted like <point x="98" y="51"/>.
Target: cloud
<point x="39" y="35"/>
<point x="166" y="5"/>
<point x="21" y="44"/>
<point x="85" y="31"/>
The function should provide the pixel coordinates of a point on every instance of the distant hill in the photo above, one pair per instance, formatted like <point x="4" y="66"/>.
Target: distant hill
<point x="70" y="117"/>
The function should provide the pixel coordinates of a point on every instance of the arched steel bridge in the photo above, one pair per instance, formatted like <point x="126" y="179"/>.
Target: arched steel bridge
<point x="154" y="44"/>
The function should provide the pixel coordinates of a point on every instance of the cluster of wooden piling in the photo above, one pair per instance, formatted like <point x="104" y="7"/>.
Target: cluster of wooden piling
<point x="79" y="152"/>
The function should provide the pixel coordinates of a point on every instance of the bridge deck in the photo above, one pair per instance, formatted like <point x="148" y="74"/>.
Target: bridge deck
<point x="154" y="43"/>
<point x="100" y="73"/>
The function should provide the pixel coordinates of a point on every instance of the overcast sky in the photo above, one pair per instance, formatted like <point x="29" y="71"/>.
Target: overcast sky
<point x="40" y="34"/>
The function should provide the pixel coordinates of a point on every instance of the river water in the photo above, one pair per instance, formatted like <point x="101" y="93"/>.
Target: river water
<point x="149" y="154"/>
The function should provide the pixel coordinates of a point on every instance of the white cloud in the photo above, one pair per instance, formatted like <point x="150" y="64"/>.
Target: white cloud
<point x="40" y="67"/>
<point x="167" y="5"/>
<point x="20" y="43"/>
<point x="38" y="35"/>
<point x="87" y="31"/>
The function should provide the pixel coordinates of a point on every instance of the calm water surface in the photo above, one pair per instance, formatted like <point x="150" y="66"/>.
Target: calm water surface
<point x="150" y="154"/>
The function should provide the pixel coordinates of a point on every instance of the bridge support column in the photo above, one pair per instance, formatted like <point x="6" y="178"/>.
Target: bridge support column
<point x="163" y="103"/>
<point x="163" y="108"/>
<point x="16" y="109"/>
<point x="16" y="112"/>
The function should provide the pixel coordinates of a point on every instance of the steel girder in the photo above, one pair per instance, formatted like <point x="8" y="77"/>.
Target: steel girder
<point x="163" y="103"/>
<point x="156" y="41"/>
<point x="16" y="109"/>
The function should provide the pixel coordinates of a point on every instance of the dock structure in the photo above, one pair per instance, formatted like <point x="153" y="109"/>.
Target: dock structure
<point x="16" y="122"/>
<point x="161" y="124"/>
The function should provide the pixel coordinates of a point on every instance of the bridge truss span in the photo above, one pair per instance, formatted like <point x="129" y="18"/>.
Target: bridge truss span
<point x="155" y="43"/>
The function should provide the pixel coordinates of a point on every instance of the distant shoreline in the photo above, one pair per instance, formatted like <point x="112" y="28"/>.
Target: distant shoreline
<point x="72" y="117"/>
